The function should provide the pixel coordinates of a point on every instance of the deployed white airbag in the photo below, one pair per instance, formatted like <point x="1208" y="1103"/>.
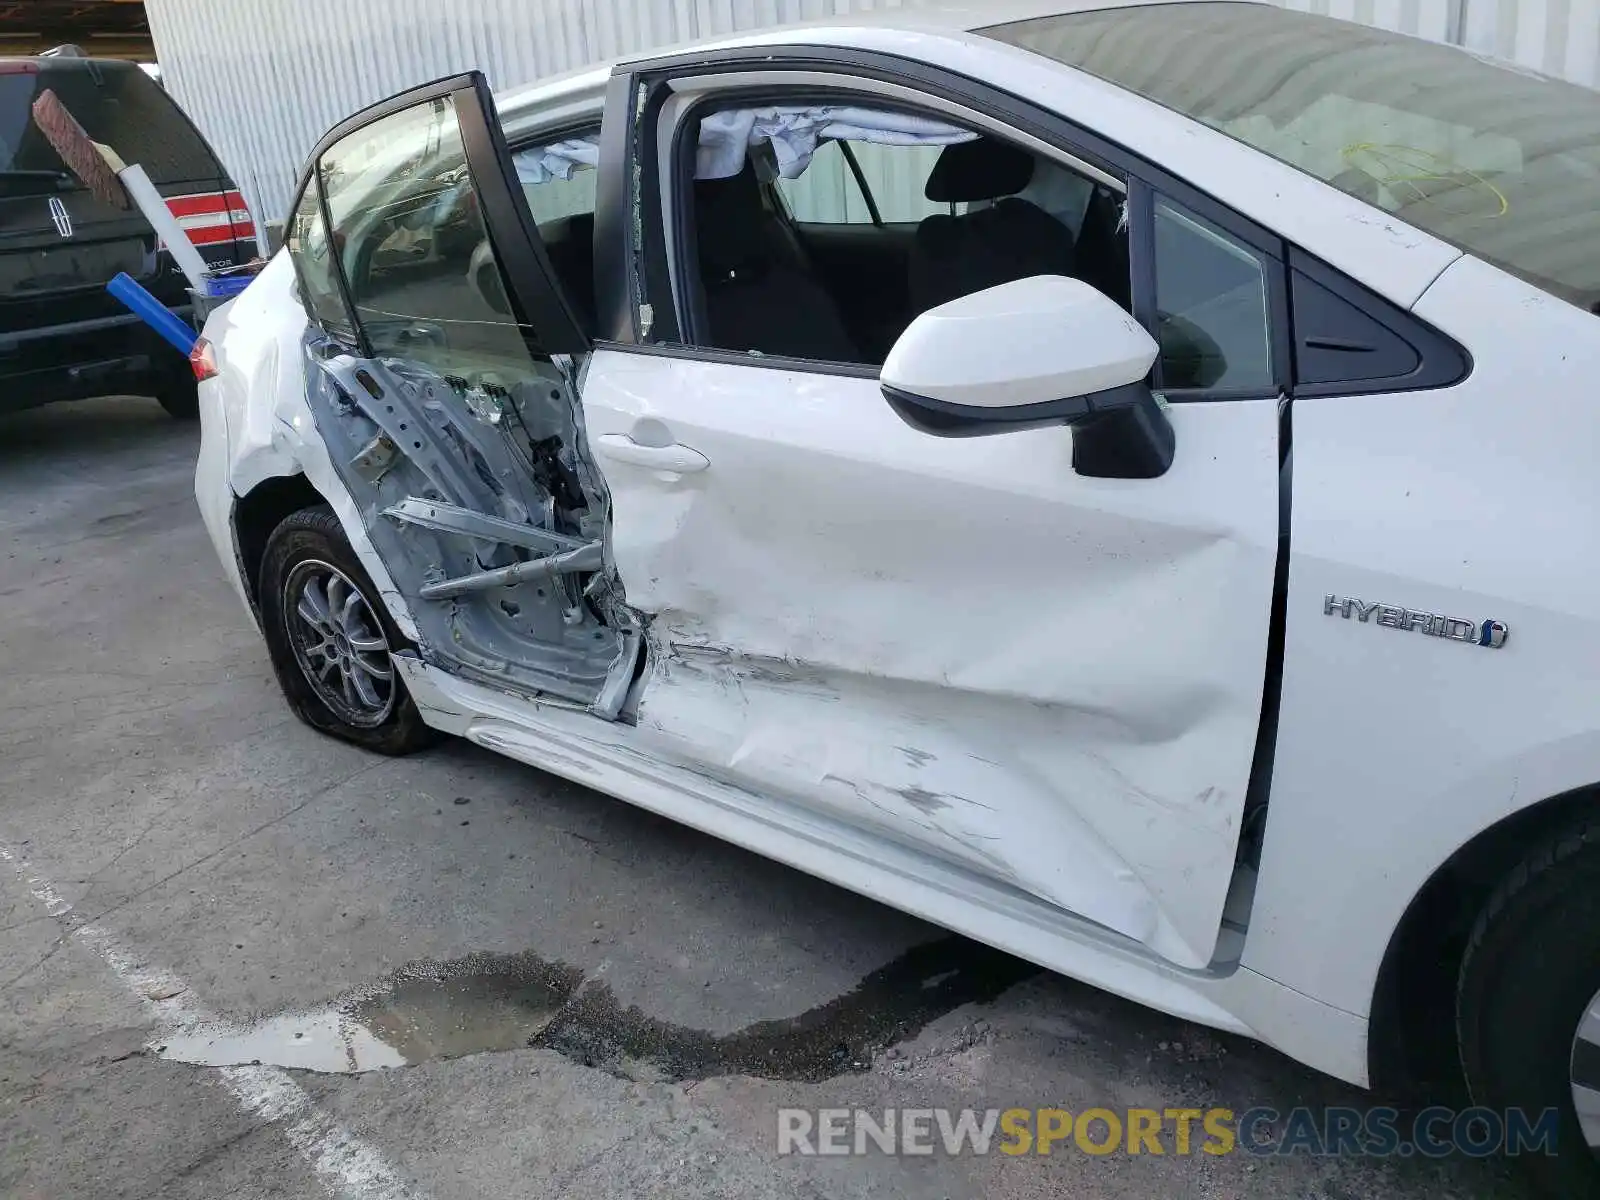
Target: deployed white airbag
<point x="541" y="164"/>
<point x="793" y="133"/>
<point x="726" y="138"/>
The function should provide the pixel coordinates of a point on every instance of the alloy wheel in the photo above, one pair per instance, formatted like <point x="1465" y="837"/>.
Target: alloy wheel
<point x="339" y="643"/>
<point x="1585" y="1073"/>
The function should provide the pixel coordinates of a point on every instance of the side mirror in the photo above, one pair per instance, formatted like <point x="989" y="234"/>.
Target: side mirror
<point x="1042" y="351"/>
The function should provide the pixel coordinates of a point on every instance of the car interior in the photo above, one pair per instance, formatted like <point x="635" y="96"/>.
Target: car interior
<point x="990" y="212"/>
<point x="845" y="292"/>
<point x="569" y="243"/>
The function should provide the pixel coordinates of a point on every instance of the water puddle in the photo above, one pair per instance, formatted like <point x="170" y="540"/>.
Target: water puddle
<point x="426" y="1010"/>
<point x="490" y="1002"/>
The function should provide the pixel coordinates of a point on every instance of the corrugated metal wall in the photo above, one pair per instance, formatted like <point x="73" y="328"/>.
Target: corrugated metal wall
<point x="1558" y="37"/>
<point x="264" y="80"/>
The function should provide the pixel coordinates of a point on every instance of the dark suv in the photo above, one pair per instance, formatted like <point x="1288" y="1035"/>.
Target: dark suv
<point x="62" y="336"/>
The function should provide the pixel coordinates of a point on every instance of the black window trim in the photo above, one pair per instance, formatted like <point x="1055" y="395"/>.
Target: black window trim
<point x="1443" y="362"/>
<point x="630" y="152"/>
<point x="621" y="279"/>
<point x="743" y="358"/>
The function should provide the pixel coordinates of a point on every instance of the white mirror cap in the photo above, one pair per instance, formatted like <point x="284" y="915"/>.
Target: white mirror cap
<point x="1025" y="342"/>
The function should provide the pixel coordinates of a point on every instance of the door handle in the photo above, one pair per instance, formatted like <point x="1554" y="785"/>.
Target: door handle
<point x="677" y="458"/>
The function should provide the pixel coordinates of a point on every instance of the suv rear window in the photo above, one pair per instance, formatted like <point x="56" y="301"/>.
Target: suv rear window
<point x="116" y="103"/>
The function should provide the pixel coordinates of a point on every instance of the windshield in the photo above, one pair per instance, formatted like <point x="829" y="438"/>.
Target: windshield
<point x="116" y="103"/>
<point x="1502" y="162"/>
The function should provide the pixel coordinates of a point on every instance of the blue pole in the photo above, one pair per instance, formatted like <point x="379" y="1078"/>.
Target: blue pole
<point x="152" y="312"/>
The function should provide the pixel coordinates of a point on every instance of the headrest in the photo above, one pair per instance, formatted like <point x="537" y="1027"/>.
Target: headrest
<point x="978" y="170"/>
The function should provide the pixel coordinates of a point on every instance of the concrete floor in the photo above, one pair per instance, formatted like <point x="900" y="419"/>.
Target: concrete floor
<point x="177" y="849"/>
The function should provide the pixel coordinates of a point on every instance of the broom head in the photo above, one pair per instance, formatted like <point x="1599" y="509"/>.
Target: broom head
<point x="78" y="150"/>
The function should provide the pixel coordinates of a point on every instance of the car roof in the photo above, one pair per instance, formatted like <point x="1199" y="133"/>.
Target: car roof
<point x="60" y="61"/>
<point x="948" y="17"/>
<point x="954" y="16"/>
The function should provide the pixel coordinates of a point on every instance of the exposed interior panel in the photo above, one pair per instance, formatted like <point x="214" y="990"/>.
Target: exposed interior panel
<point x="490" y="520"/>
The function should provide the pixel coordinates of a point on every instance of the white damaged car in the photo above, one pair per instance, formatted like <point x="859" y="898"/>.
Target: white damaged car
<point x="1143" y="519"/>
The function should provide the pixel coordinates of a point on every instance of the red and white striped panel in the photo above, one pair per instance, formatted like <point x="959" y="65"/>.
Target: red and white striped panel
<point x="211" y="217"/>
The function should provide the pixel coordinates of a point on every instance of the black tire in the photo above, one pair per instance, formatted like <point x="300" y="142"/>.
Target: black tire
<point x="180" y="396"/>
<point x="1531" y="968"/>
<point x="313" y="536"/>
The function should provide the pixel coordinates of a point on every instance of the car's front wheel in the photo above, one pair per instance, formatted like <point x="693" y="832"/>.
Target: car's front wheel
<point x="331" y="639"/>
<point x="1528" y="1008"/>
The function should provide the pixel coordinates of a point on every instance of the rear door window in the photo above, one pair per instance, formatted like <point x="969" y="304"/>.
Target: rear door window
<point x="431" y="254"/>
<point x="117" y="104"/>
<point x="424" y="280"/>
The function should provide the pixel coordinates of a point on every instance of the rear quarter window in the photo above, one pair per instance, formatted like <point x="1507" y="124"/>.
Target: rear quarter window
<point x="116" y="103"/>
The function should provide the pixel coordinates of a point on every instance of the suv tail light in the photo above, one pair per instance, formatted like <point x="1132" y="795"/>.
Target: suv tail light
<point x="202" y="360"/>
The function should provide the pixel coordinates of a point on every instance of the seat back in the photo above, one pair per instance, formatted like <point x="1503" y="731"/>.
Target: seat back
<point x="569" y="243"/>
<point x="1009" y="239"/>
<point x="758" y="293"/>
